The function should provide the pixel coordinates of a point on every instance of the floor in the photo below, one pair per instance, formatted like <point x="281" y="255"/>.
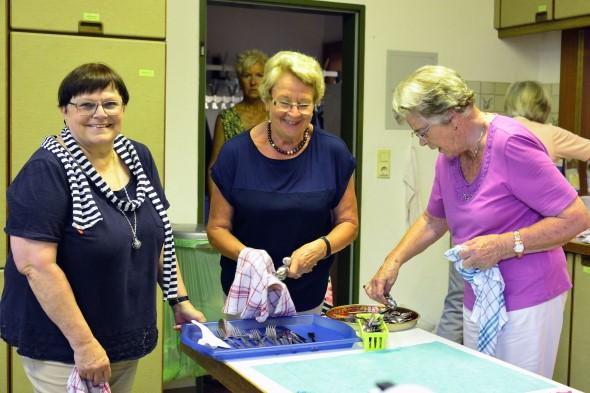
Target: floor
<point x="207" y="385"/>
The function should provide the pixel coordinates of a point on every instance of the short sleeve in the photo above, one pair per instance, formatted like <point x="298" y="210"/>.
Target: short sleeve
<point x="345" y="167"/>
<point x="223" y="171"/>
<point x="435" y="204"/>
<point x="534" y="179"/>
<point x="39" y="201"/>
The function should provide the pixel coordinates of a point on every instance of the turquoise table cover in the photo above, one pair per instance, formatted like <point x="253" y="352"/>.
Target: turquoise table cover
<point x="435" y="365"/>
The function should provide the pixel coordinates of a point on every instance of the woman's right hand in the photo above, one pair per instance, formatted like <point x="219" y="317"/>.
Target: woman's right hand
<point x="92" y="362"/>
<point x="383" y="280"/>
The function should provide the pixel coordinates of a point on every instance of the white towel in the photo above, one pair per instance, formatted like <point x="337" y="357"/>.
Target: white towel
<point x="256" y="292"/>
<point x="412" y="190"/>
<point x="78" y="385"/>
<point x="489" y="310"/>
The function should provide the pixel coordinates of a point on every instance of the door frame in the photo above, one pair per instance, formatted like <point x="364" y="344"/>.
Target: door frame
<point x="353" y="56"/>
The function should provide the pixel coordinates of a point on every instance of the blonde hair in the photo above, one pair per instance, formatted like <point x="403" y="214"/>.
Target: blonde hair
<point x="248" y="58"/>
<point x="431" y="91"/>
<point x="304" y="67"/>
<point x="528" y="99"/>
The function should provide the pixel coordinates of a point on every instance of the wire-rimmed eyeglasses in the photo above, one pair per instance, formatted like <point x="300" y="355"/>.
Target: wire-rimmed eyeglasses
<point x="422" y="133"/>
<point x="89" y="108"/>
<point x="305" y="108"/>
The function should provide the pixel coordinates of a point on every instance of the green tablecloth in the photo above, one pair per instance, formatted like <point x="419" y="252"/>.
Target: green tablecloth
<point x="199" y="265"/>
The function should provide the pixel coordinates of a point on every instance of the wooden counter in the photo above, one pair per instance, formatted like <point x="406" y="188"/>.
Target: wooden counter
<point x="577" y="247"/>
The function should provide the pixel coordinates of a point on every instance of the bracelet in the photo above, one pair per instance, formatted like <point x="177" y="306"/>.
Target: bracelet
<point x="176" y="300"/>
<point x="328" y="247"/>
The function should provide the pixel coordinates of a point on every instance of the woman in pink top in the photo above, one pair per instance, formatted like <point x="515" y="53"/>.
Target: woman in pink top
<point x="498" y="193"/>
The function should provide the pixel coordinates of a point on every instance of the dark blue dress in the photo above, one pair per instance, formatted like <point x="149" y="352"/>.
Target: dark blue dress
<point x="114" y="285"/>
<point x="279" y="205"/>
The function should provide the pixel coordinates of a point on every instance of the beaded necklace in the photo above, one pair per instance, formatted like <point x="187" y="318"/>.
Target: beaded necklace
<point x="294" y="150"/>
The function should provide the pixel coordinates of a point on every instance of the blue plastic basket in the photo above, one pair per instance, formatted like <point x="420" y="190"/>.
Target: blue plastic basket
<point x="328" y="334"/>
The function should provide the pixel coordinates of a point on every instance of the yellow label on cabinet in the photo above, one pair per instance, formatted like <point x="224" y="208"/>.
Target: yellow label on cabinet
<point x="90" y="17"/>
<point x="586" y="269"/>
<point x="146" y="72"/>
<point x="542" y="8"/>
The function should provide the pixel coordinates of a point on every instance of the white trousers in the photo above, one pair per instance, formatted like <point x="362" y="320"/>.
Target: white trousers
<point x="530" y="339"/>
<point x="52" y="377"/>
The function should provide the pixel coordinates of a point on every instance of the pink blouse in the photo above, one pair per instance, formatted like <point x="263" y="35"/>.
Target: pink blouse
<point x="517" y="186"/>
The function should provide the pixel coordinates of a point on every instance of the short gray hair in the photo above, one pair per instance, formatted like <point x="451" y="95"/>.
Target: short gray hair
<point x="431" y="91"/>
<point x="305" y="68"/>
<point x="248" y="58"/>
<point x="528" y="99"/>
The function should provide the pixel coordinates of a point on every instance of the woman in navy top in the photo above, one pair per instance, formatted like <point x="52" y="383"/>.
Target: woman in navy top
<point x="89" y="239"/>
<point x="285" y="186"/>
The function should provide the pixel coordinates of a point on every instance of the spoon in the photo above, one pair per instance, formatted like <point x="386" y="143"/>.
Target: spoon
<point x="391" y="304"/>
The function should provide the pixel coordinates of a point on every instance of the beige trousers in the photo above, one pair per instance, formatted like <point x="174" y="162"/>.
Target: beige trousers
<point x="52" y="377"/>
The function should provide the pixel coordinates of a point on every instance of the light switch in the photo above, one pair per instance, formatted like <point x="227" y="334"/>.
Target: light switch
<point x="383" y="163"/>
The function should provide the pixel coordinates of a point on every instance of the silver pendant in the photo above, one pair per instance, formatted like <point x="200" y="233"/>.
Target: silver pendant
<point x="136" y="244"/>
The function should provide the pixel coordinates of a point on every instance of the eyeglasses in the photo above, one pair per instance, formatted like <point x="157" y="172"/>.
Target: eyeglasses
<point x="285" y="106"/>
<point x="422" y="132"/>
<point x="89" y="107"/>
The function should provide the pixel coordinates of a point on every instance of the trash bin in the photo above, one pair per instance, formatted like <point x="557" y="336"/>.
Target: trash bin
<point x="199" y="264"/>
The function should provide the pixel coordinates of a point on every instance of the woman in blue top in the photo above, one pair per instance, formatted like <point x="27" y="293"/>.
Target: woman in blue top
<point x="285" y="187"/>
<point x="89" y="240"/>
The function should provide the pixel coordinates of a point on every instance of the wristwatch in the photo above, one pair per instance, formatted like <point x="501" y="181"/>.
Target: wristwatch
<point x="176" y="300"/>
<point x="518" y="245"/>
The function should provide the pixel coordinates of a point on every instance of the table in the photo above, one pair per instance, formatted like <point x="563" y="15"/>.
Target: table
<point x="248" y="375"/>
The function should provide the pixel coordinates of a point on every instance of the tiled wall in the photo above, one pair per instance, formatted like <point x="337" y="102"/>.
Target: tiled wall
<point x="489" y="96"/>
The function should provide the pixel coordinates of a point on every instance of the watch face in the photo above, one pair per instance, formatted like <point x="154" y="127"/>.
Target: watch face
<point x="518" y="248"/>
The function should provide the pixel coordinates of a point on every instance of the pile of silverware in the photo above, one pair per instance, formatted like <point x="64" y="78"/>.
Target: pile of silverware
<point x="270" y="335"/>
<point x="371" y="324"/>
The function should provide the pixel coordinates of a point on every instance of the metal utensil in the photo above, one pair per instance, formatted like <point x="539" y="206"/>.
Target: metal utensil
<point x="391" y="304"/>
<point x="283" y="271"/>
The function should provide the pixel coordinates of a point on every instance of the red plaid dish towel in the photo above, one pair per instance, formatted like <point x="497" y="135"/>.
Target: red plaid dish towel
<point x="79" y="385"/>
<point x="256" y="292"/>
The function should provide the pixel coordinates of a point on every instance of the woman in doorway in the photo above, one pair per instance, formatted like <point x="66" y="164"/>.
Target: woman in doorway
<point x="247" y="113"/>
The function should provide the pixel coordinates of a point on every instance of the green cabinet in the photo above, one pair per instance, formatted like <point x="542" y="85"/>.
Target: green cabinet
<point x="571" y="8"/>
<point x="39" y="63"/>
<point x="580" y="336"/>
<point x="524" y="12"/>
<point x="145" y="19"/>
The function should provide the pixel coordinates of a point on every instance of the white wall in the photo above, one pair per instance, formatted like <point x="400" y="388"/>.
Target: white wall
<point x="461" y="32"/>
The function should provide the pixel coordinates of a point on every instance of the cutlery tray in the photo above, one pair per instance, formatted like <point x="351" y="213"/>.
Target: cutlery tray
<point x="329" y="334"/>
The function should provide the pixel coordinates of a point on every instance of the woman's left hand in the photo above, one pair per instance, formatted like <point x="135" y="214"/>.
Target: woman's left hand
<point x="304" y="259"/>
<point x="483" y="252"/>
<point x="184" y="312"/>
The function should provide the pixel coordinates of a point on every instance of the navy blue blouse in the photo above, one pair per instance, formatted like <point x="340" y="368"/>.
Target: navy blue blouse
<point x="279" y="205"/>
<point x="114" y="285"/>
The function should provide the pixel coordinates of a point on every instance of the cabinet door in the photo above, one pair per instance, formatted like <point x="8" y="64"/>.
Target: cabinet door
<point x="109" y="17"/>
<point x="580" y="349"/>
<point x="20" y="382"/>
<point x="40" y="62"/>
<point x="525" y="12"/>
<point x="569" y="8"/>
<point x="3" y="122"/>
<point x="560" y="374"/>
<point x="3" y="351"/>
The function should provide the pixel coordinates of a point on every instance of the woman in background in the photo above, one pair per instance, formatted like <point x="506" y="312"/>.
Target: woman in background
<point x="247" y="113"/>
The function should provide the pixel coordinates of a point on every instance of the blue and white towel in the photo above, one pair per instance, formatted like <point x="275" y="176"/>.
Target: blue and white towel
<point x="489" y="310"/>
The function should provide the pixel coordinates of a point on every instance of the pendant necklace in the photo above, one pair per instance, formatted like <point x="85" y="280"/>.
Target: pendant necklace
<point x="294" y="150"/>
<point x="135" y="242"/>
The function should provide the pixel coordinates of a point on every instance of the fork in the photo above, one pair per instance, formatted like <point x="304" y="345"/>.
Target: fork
<point x="271" y="333"/>
<point x="241" y="335"/>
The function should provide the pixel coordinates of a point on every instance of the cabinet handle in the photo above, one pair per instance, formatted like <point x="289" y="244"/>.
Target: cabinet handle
<point x="540" y="16"/>
<point x="85" y="27"/>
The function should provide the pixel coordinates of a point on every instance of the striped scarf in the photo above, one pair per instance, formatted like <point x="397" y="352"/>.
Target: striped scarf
<point x="84" y="209"/>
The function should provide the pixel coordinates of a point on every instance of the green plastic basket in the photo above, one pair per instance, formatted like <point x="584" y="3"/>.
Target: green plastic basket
<point x="372" y="341"/>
